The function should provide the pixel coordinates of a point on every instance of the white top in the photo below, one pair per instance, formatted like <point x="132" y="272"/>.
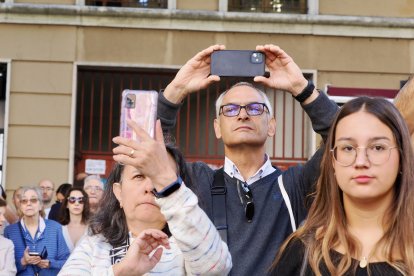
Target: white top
<point x="196" y="246"/>
<point x="7" y="265"/>
<point x="68" y="240"/>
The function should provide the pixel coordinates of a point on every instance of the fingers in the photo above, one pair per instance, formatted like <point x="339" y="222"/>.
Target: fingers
<point x="262" y="80"/>
<point x="209" y="80"/>
<point x="150" y="239"/>
<point x="159" y="135"/>
<point x="156" y="256"/>
<point x="201" y="56"/>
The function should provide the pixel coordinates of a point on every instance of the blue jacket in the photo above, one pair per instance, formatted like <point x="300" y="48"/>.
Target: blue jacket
<point x="50" y="236"/>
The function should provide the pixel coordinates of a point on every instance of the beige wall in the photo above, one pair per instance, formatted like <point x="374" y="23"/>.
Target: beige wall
<point x="394" y="8"/>
<point x="54" y="2"/>
<point x="208" y="5"/>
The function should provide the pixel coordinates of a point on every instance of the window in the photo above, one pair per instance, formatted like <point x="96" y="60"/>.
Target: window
<point x="153" y="4"/>
<point x="270" y="6"/>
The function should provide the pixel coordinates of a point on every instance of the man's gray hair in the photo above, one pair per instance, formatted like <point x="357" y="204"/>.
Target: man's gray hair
<point x="263" y="94"/>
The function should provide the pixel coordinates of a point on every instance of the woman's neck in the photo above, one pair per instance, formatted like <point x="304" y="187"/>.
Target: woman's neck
<point x="365" y="222"/>
<point x="136" y="227"/>
<point x="75" y="219"/>
<point x="248" y="160"/>
<point x="32" y="221"/>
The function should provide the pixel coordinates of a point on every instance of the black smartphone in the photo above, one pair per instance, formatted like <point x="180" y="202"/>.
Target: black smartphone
<point x="237" y="63"/>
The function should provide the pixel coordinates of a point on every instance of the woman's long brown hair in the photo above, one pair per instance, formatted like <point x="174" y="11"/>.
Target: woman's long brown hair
<point x="326" y="225"/>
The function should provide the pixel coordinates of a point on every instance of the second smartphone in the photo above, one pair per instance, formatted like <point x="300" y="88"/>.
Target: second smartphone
<point x="139" y="106"/>
<point x="237" y="63"/>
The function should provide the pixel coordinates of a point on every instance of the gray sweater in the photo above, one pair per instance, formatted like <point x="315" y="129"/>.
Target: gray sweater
<point x="253" y="245"/>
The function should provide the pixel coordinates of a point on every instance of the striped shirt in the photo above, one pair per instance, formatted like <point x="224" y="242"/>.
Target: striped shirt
<point x="196" y="246"/>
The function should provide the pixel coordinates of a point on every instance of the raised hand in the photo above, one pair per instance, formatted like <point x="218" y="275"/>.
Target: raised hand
<point x="285" y="74"/>
<point x="149" y="155"/>
<point x="137" y="260"/>
<point x="193" y="76"/>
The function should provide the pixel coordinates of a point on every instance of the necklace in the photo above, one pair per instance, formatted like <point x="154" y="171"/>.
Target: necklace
<point x="363" y="263"/>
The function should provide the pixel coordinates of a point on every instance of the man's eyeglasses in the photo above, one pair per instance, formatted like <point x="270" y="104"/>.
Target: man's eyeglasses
<point x="377" y="153"/>
<point x="26" y="201"/>
<point x="46" y="189"/>
<point x="252" y="109"/>
<point x="246" y="198"/>
<point x="73" y="199"/>
<point x="93" y="188"/>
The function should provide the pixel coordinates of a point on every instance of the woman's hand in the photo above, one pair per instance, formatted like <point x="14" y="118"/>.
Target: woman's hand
<point x="44" y="264"/>
<point x="137" y="260"/>
<point x="29" y="260"/>
<point x="149" y="155"/>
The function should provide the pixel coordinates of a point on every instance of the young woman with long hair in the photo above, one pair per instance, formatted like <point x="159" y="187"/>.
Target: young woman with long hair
<point x="360" y="222"/>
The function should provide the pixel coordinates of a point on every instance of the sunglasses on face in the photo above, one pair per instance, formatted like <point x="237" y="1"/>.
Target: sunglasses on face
<point x="26" y="201"/>
<point x="73" y="199"/>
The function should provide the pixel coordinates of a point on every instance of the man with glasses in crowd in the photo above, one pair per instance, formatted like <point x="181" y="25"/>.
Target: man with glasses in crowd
<point x="47" y="187"/>
<point x="259" y="211"/>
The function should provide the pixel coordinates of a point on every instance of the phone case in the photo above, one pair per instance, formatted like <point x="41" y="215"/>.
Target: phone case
<point x="141" y="107"/>
<point x="237" y="63"/>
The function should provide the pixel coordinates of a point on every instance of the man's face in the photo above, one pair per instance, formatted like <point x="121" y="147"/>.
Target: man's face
<point x="244" y="129"/>
<point x="47" y="188"/>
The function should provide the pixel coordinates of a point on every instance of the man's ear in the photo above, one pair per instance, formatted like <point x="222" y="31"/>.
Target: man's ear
<point x="117" y="188"/>
<point x="217" y="128"/>
<point x="271" y="131"/>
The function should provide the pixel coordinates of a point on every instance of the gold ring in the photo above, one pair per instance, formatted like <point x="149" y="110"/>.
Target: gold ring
<point x="131" y="154"/>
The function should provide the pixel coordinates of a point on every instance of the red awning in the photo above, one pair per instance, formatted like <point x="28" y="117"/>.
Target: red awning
<point x="355" y="92"/>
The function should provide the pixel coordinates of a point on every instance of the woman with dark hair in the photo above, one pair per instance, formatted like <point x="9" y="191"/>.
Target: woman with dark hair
<point x="360" y="222"/>
<point x="139" y="198"/>
<point x="74" y="216"/>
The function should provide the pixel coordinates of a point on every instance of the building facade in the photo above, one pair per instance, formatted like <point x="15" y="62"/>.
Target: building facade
<point x="64" y="64"/>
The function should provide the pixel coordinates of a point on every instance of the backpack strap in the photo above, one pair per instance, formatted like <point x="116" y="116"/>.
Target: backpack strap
<point x="218" y="196"/>
<point x="287" y="201"/>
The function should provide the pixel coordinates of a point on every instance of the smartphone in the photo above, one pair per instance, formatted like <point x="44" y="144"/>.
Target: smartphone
<point x="237" y="63"/>
<point x="141" y="107"/>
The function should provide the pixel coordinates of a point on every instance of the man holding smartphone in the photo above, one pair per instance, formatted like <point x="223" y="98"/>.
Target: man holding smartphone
<point x="260" y="211"/>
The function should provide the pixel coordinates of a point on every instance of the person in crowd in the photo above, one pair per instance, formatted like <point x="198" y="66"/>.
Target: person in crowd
<point x="74" y="216"/>
<point x="60" y="196"/>
<point x="260" y="211"/>
<point x="10" y="215"/>
<point x="7" y="266"/>
<point x="79" y="179"/>
<point x="47" y="186"/>
<point x="360" y="222"/>
<point x="404" y="101"/>
<point x="139" y="197"/>
<point x="39" y="244"/>
<point x="16" y="201"/>
<point x="94" y="187"/>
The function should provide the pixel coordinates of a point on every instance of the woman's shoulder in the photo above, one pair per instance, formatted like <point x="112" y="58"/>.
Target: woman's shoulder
<point x="5" y="242"/>
<point x="52" y="223"/>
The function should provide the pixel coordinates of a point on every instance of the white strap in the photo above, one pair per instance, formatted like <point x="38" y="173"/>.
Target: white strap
<point x="287" y="201"/>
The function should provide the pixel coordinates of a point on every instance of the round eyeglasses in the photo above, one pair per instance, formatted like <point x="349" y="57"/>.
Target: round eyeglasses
<point x="377" y="153"/>
<point x="252" y="109"/>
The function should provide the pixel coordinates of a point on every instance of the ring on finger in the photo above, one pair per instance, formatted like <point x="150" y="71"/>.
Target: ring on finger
<point x="131" y="153"/>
